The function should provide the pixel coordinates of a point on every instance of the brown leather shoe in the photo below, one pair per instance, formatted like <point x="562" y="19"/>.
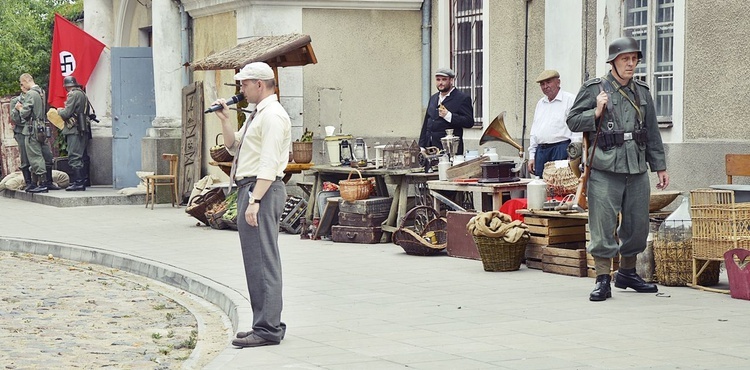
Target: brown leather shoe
<point x="252" y="340"/>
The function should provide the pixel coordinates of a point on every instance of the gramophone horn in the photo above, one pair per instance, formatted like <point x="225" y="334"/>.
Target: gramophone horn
<point x="496" y="131"/>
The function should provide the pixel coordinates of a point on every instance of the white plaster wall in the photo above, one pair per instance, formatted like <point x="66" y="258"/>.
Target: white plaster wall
<point x="99" y="24"/>
<point x="167" y="64"/>
<point x="563" y="43"/>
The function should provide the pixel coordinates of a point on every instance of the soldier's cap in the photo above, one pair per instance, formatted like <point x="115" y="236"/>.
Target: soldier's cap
<point x="547" y="74"/>
<point x="255" y="71"/>
<point x="447" y="72"/>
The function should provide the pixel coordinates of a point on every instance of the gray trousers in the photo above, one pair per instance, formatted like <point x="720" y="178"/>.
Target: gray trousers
<point x="76" y="146"/>
<point x="612" y="193"/>
<point x="21" y="140"/>
<point x="260" y="253"/>
<point x="39" y="155"/>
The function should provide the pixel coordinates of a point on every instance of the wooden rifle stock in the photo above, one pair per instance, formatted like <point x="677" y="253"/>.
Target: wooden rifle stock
<point x="580" y="197"/>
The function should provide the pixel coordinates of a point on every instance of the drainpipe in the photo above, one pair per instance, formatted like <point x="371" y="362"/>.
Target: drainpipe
<point x="525" y="72"/>
<point x="185" y="41"/>
<point x="426" y="50"/>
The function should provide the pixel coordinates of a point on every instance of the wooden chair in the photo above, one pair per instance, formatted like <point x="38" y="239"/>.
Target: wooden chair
<point x="737" y="165"/>
<point x="152" y="181"/>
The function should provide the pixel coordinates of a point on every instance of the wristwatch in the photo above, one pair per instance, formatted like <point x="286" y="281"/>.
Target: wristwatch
<point x="252" y="200"/>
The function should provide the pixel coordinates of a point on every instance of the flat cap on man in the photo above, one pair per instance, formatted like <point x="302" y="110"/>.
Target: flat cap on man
<point x="547" y="74"/>
<point x="447" y="72"/>
<point x="255" y="71"/>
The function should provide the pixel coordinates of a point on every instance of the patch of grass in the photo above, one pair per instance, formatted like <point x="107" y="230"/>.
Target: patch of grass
<point x="160" y="306"/>
<point x="170" y="316"/>
<point x="191" y="341"/>
<point x="156" y="336"/>
<point x="170" y="334"/>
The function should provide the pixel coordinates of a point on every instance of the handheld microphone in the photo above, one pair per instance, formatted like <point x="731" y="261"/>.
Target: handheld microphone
<point x="230" y="101"/>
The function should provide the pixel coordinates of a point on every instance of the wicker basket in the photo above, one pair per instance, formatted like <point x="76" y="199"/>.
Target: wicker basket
<point x="356" y="189"/>
<point x="201" y="203"/>
<point x="220" y="153"/>
<point x="499" y="255"/>
<point x="673" y="259"/>
<point x="414" y="242"/>
<point x="560" y="181"/>
<point x="302" y="151"/>
<point x="719" y="223"/>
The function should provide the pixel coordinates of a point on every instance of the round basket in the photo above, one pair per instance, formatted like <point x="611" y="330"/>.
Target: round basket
<point x="560" y="181"/>
<point x="499" y="255"/>
<point x="219" y="152"/>
<point x="673" y="260"/>
<point x="356" y="189"/>
<point x="414" y="242"/>
<point x="302" y="151"/>
<point x="661" y="199"/>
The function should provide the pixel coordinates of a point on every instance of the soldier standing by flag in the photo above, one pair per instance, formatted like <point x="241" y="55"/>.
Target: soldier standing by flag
<point x="35" y="130"/>
<point x="76" y="131"/>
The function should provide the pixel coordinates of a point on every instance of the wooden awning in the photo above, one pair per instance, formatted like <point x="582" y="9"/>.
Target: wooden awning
<point x="278" y="51"/>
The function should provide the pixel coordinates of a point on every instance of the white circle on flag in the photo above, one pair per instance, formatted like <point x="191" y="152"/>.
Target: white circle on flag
<point x="67" y="63"/>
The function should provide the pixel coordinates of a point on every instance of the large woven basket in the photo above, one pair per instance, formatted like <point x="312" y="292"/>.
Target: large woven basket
<point x="673" y="261"/>
<point x="414" y="241"/>
<point x="499" y="255"/>
<point x="356" y="189"/>
<point x="560" y="181"/>
<point x="201" y="203"/>
<point x="302" y="151"/>
<point x="219" y="153"/>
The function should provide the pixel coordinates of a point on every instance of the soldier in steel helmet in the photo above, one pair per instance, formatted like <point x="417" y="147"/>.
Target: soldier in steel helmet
<point x="77" y="131"/>
<point x="18" y="126"/>
<point x="618" y="115"/>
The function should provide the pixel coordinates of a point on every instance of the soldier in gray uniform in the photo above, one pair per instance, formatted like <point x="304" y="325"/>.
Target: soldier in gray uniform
<point x="618" y="115"/>
<point x="18" y="125"/>
<point x="36" y="132"/>
<point x="76" y="130"/>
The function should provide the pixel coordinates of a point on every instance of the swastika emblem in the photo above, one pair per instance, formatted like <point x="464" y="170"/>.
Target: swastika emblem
<point x="67" y="63"/>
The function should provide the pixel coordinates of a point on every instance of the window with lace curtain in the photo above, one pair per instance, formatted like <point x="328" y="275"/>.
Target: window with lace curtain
<point x="651" y="23"/>
<point x="466" y="51"/>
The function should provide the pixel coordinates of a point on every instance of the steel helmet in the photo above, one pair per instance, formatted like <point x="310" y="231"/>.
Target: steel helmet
<point x="70" y="81"/>
<point x="623" y="45"/>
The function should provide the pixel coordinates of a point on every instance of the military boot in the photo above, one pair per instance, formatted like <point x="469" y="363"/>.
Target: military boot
<point x="602" y="289"/>
<point x="27" y="178"/>
<point x="41" y="188"/>
<point x="49" y="184"/>
<point x="85" y="172"/>
<point x="627" y="278"/>
<point x="78" y="183"/>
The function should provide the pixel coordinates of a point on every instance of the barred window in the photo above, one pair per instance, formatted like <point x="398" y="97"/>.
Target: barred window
<point x="651" y="23"/>
<point x="466" y="51"/>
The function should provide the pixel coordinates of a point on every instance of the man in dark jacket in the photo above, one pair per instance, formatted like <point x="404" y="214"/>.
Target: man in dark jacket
<point x="449" y="108"/>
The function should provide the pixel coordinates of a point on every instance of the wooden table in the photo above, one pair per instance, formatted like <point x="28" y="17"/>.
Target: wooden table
<point x="495" y="189"/>
<point x="290" y="169"/>
<point x="402" y="178"/>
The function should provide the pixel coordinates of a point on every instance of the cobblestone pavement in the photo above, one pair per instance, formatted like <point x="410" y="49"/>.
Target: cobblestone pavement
<point x="78" y="315"/>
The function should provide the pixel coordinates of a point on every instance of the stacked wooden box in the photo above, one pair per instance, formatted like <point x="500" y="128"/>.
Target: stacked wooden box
<point x="590" y="264"/>
<point x="557" y="245"/>
<point x="360" y="220"/>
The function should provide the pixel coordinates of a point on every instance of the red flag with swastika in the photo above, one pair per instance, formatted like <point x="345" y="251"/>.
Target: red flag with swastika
<point x="74" y="53"/>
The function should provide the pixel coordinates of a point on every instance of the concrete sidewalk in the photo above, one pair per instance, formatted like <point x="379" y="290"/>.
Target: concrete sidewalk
<point x="351" y="306"/>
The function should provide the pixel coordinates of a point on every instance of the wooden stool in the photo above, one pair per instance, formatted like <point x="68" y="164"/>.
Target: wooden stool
<point x="152" y="181"/>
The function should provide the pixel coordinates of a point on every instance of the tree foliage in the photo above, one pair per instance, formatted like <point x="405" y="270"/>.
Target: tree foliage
<point x="26" y="38"/>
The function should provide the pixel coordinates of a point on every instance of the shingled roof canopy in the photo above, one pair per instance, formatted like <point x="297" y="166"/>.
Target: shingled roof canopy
<point x="278" y="51"/>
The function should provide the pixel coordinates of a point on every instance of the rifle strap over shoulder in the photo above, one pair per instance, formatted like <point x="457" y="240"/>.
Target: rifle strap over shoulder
<point x="589" y="161"/>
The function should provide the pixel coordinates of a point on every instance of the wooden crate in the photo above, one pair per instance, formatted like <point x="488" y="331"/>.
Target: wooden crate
<point x="563" y="261"/>
<point x="591" y="265"/>
<point x="553" y="222"/>
<point x="534" y="253"/>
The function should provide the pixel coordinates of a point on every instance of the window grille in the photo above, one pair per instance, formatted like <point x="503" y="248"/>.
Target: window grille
<point x="651" y="23"/>
<point x="467" y="50"/>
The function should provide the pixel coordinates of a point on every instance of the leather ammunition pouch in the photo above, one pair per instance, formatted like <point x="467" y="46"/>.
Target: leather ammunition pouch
<point x="640" y="136"/>
<point x="71" y="122"/>
<point x="40" y="131"/>
<point x="609" y="139"/>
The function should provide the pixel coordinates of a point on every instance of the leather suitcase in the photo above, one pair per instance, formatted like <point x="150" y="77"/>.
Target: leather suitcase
<point x="354" y="234"/>
<point x="356" y="219"/>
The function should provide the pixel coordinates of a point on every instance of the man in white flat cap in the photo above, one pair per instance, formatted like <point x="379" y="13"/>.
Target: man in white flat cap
<point x="261" y="150"/>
